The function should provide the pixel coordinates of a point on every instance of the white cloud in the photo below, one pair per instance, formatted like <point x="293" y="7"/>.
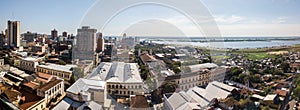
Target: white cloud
<point x="229" y="20"/>
<point x="280" y="20"/>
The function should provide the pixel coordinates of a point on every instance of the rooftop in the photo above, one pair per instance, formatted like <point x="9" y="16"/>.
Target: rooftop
<point x="116" y="72"/>
<point x="64" y="68"/>
<point x="82" y="85"/>
<point x="50" y="84"/>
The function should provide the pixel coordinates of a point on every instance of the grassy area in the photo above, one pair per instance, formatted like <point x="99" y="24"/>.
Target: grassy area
<point x="257" y="56"/>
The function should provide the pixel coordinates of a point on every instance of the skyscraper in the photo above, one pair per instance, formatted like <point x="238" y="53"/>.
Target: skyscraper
<point x="54" y="34"/>
<point x="13" y="31"/>
<point x="100" y="43"/>
<point x="85" y="44"/>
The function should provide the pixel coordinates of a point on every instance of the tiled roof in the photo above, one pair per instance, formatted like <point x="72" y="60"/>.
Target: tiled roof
<point x="138" y="101"/>
<point x="50" y="84"/>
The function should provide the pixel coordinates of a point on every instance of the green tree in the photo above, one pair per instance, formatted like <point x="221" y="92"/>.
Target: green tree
<point x="169" y="87"/>
<point x="285" y="67"/>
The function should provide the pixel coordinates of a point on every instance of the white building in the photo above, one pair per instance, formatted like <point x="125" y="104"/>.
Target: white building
<point x="84" y="90"/>
<point x="51" y="89"/>
<point x="197" y="98"/>
<point x="85" y="44"/>
<point x="122" y="79"/>
<point x="29" y="64"/>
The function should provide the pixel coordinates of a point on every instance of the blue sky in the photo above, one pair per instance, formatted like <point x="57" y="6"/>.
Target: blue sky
<point x="234" y="17"/>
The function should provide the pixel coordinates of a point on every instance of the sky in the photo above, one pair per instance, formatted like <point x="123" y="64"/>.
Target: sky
<point x="232" y="17"/>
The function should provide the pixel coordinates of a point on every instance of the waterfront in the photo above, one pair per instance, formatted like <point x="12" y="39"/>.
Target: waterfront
<point x="229" y="42"/>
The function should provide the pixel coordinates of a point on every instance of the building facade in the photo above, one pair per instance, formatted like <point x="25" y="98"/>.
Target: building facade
<point x="85" y="44"/>
<point x="14" y="36"/>
<point x="122" y="79"/>
<point x="61" y="71"/>
<point x="100" y="43"/>
<point x="29" y="64"/>
<point x="51" y="89"/>
<point x="29" y="37"/>
<point x="54" y="34"/>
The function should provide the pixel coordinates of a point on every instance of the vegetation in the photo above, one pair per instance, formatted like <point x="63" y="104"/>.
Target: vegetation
<point x="169" y="87"/>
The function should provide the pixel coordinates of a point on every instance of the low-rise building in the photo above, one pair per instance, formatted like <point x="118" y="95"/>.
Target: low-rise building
<point x="62" y="71"/>
<point x="198" y="98"/>
<point x="51" y="89"/>
<point x="122" y="79"/>
<point x="85" y="90"/>
<point x="29" y="64"/>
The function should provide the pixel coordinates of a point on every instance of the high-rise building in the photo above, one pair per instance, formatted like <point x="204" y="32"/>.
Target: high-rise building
<point x="1" y="39"/>
<point x="100" y="43"/>
<point x="85" y="44"/>
<point x="124" y="41"/>
<point x="65" y="34"/>
<point x="54" y="34"/>
<point x="13" y="31"/>
<point x="29" y="36"/>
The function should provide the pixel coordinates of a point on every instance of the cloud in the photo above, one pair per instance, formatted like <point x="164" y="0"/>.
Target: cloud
<point x="229" y="20"/>
<point x="280" y="20"/>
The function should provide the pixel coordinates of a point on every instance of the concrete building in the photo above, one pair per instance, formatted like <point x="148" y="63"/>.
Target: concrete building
<point x="84" y="90"/>
<point x="29" y="64"/>
<point x="52" y="88"/>
<point x="65" y="34"/>
<point x="2" y="36"/>
<point x="122" y="79"/>
<point x="85" y="44"/>
<point x="54" y="34"/>
<point x="14" y="36"/>
<point x="29" y="37"/>
<point x="100" y="43"/>
<point x="62" y="71"/>
<point x="38" y="48"/>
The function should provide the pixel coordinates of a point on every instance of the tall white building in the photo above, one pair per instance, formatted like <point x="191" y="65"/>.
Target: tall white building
<point x="14" y="36"/>
<point x="86" y="44"/>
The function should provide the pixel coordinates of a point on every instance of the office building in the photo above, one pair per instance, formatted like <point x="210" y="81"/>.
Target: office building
<point x="100" y="43"/>
<point x="29" y="37"/>
<point x="85" y="44"/>
<point x="13" y="31"/>
<point x="54" y="34"/>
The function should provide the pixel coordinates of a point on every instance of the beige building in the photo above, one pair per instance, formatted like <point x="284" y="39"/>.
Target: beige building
<point x="62" y="71"/>
<point x="122" y="79"/>
<point x="13" y="31"/>
<point x="52" y="88"/>
<point x="29" y="64"/>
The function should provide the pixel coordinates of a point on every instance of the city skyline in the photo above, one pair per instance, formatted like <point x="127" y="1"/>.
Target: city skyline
<point x="234" y="18"/>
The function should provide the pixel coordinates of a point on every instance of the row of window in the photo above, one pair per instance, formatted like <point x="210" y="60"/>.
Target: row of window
<point x="125" y="87"/>
<point x="55" y="73"/>
<point x="121" y="92"/>
<point x="57" y="87"/>
<point x="191" y="79"/>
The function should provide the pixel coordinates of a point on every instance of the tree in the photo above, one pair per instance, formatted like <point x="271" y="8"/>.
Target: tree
<point x="285" y="67"/>
<point x="169" y="87"/>
<point x="60" y="62"/>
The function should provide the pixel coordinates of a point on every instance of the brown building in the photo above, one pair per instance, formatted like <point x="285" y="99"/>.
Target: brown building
<point x="100" y="43"/>
<point x="54" y="34"/>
